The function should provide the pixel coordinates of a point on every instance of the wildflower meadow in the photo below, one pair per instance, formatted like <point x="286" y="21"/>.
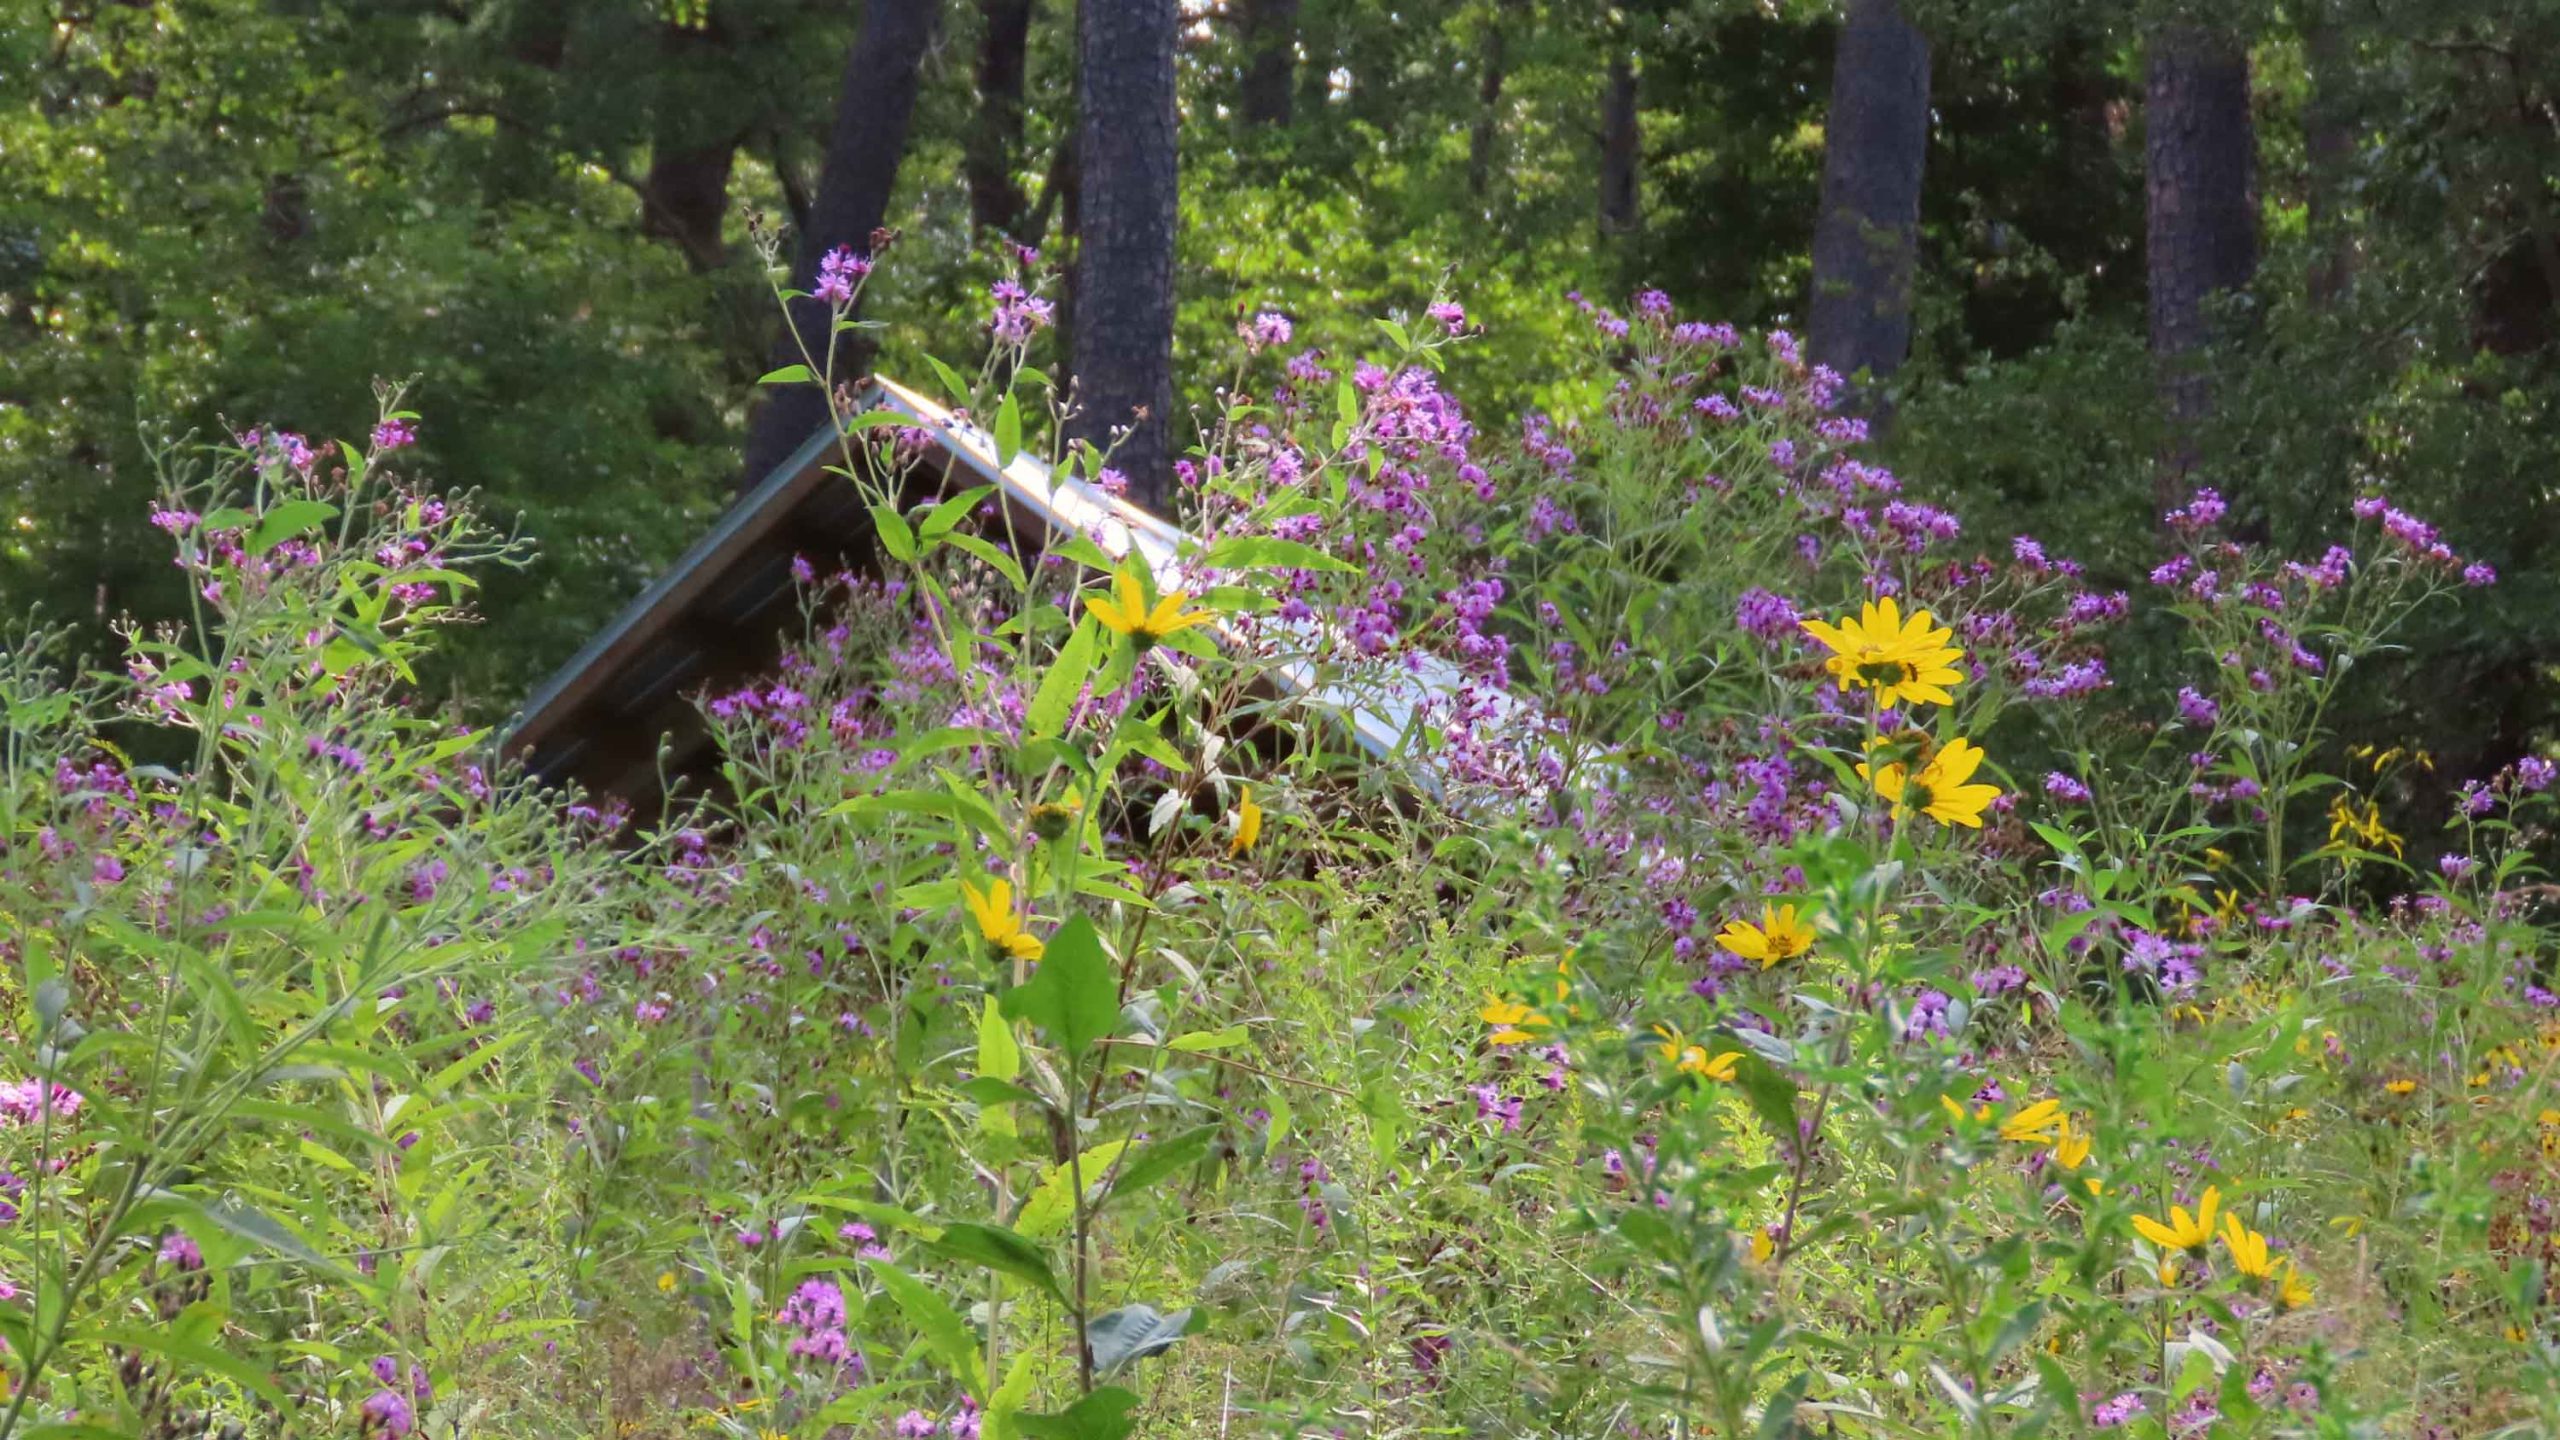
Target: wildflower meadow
<point x="1809" y="965"/>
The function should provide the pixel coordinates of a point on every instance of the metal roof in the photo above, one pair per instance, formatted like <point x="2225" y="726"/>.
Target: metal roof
<point x="618" y="718"/>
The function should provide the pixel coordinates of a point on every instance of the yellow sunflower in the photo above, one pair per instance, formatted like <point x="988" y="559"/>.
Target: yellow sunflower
<point x="1939" y="789"/>
<point x="1905" y="662"/>
<point x="1778" y="936"/>
<point x="998" y="924"/>
<point x="2182" y="1231"/>
<point x="1126" y="611"/>
<point x="1248" y="824"/>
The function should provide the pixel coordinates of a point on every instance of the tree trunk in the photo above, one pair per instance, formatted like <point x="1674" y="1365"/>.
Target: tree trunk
<point x="2328" y="143"/>
<point x="685" y="199"/>
<point x="1875" y="148"/>
<point x="1270" y="60"/>
<point x="1619" y="147"/>
<point x="995" y="132"/>
<point x="1125" y="218"/>
<point x="1486" y="134"/>
<point x="2201" y="163"/>
<point x="874" y="104"/>
<point x="693" y="144"/>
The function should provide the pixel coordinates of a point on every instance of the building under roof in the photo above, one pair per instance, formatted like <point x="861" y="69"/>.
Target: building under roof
<point x="620" y="722"/>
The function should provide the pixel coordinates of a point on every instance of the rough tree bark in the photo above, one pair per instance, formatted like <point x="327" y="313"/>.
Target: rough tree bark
<point x="874" y="104"/>
<point x="995" y="133"/>
<point x="1875" y="148"/>
<point x="694" y="139"/>
<point x="2201" y="179"/>
<point x="1125" y="220"/>
<point x="1270" y="61"/>
<point x="1486" y="133"/>
<point x="1620" y="200"/>
<point x="2328" y="143"/>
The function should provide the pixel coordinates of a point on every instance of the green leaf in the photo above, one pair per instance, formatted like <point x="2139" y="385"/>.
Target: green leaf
<point x="989" y="1091"/>
<point x="1102" y="1415"/>
<point x="1006" y="1404"/>
<point x="945" y="1333"/>
<point x="283" y="522"/>
<point x="788" y="375"/>
<point x="999" y="1055"/>
<point x="1053" y="1204"/>
<point x="265" y="1231"/>
<point x="895" y="537"/>
<point x="1133" y="1332"/>
<point x="986" y="550"/>
<point x="1008" y="431"/>
<point x="196" y="1356"/>
<point x="1166" y="1157"/>
<point x="1771" y="1093"/>
<point x="1059" y="688"/>
<point x="999" y="1249"/>
<point x="939" y="520"/>
<point x="1200" y="1040"/>
<point x="952" y="385"/>
<point x="1264" y="552"/>
<point x="1074" y="996"/>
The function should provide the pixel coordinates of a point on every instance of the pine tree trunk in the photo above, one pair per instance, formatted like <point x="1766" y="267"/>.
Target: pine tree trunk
<point x="1620" y="145"/>
<point x="995" y="132"/>
<point x="2328" y="143"/>
<point x="1270" y="61"/>
<point x="2201" y="163"/>
<point x="693" y="145"/>
<point x="1875" y="150"/>
<point x="1486" y="134"/>
<point x="1126" y="217"/>
<point x="874" y="105"/>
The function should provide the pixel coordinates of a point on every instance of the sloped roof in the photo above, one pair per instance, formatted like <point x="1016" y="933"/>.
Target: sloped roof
<point x="717" y="617"/>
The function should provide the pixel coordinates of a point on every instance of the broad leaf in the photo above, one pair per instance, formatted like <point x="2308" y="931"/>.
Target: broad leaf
<point x="1102" y="1415"/>
<point x="1074" y="997"/>
<point x="998" y="1249"/>
<point x="944" y="1332"/>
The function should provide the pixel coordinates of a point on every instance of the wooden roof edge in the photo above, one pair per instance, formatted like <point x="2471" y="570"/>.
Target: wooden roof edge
<point x="741" y="525"/>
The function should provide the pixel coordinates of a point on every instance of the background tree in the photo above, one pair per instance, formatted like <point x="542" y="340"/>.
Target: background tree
<point x="1875" y="149"/>
<point x="874" y="106"/>
<point x="1127" y="216"/>
<point x="2201" y="169"/>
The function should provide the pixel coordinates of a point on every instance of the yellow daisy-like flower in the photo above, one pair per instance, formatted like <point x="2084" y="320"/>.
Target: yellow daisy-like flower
<point x="2071" y="1151"/>
<point x="2248" y="1250"/>
<point x="666" y="1282"/>
<point x="2182" y="1231"/>
<point x="2362" y="825"/>
<point x="1126" y="611"/>
<point x="2400" y="1087"/>
<point x="1941" y="788"/>
<point x="1956" y="1111"/>
<point x="1248" y="824"/>
<point x="2036" y="1124"/>
<point x="1002" y="929"/>
<point x="2292" y="1291"/>
<point x="1691" y="1059"/>
<point x="1778" y="936"/>
<point x="1513" y="1023"/>
<point x="1905" y="662"/>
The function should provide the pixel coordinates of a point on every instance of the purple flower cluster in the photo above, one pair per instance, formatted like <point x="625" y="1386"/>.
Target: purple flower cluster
<point x="25" y="1102"/>
<point x="816" y="1312"/>
<point x="840" y="274"/>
